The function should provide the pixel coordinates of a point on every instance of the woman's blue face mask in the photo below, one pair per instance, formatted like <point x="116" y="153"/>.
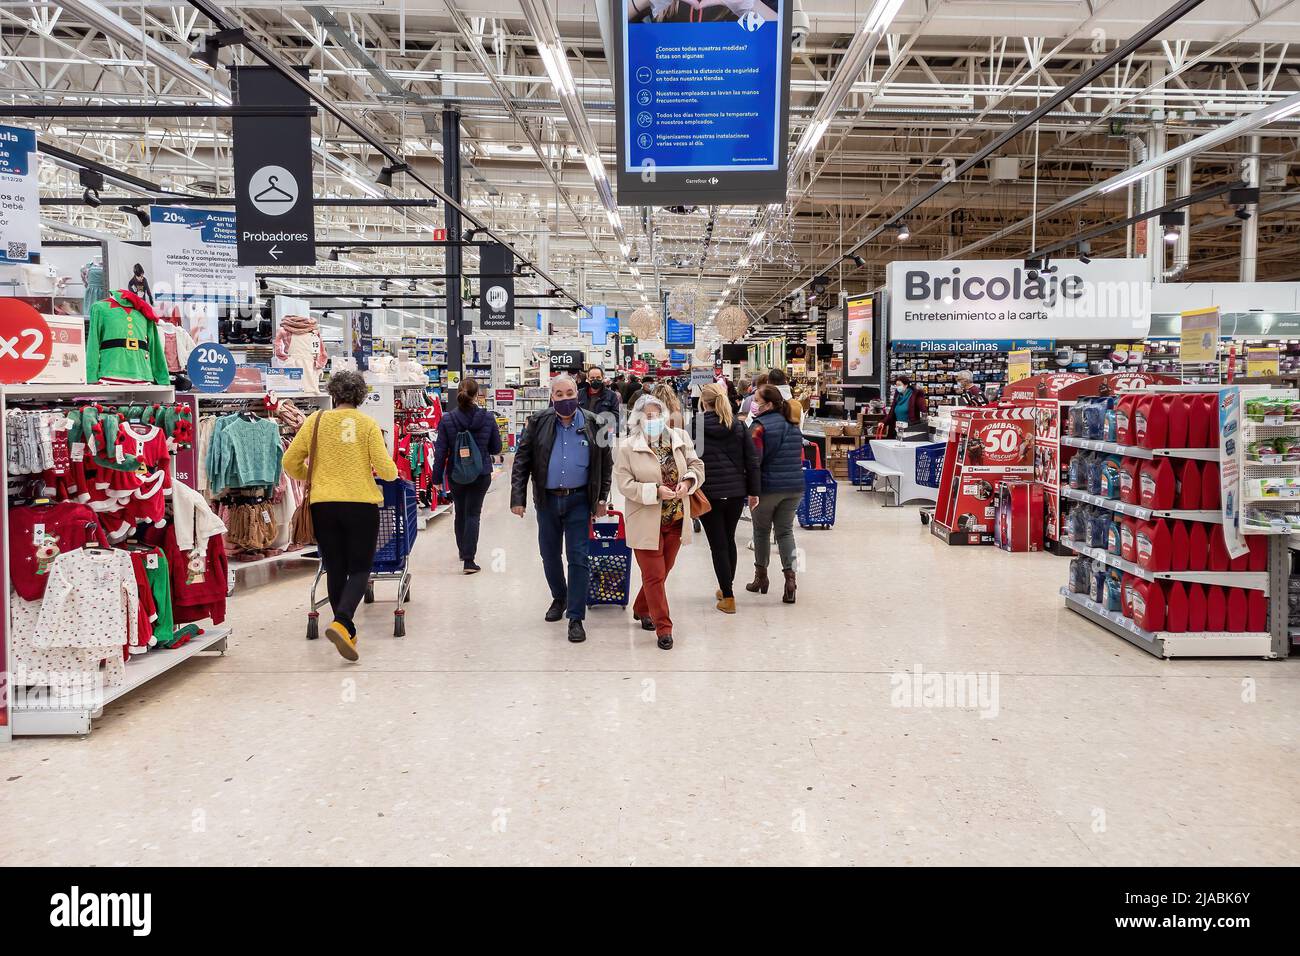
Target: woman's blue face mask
<point x="654" y="427"/>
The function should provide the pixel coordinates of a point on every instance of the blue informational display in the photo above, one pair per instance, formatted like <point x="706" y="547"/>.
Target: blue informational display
<point x="703" y="100"/>
<point x="211" y="367"/>
<point x="679" y="334"/>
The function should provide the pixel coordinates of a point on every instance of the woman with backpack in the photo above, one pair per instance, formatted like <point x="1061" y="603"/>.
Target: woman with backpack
<point x="469" y="436"/>
<point x="731" y="476"/>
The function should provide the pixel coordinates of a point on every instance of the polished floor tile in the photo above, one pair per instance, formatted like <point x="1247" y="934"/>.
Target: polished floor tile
<point x="804" y="734"/>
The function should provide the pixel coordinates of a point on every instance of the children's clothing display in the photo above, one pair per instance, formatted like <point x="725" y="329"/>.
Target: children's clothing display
<point x="244" y="451"/>
<point x="299" y="344"/>
<point x="177" y="345"/>
<point x="124" y="345"/>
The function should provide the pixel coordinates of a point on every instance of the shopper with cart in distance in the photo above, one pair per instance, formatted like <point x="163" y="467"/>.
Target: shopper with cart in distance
<point x="732" y="476"/>
<point x="780" y="449"/>
<point x="657" y="470"/>
<point x="470" y="439"/>
<point x="338" y="453"/>
<point x="561" y="455"/>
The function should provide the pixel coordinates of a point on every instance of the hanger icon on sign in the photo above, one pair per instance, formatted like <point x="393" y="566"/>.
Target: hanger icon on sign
<point x="273" y="193"/>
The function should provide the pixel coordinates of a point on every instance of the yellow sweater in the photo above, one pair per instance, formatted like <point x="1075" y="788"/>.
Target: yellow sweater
<point x="351" y="452"/>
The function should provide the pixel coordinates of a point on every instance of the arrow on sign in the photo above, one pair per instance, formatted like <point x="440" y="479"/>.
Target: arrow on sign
<point x="275" y="252"/>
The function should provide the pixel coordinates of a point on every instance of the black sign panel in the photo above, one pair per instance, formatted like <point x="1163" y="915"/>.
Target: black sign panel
<point x="275" y="216"/>
<point x="567" y="360"/>
<point x="496" y="300"/>
<point x="703" y="102"/>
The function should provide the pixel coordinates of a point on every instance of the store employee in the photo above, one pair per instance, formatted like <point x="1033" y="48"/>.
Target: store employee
<point x="908" y="405"/>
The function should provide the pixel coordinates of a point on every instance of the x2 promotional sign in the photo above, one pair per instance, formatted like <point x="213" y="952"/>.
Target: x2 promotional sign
<point x="275" y="211"/>
<point x="24" y="342"/>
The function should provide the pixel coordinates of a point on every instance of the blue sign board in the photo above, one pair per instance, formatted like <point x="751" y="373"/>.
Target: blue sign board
<point x="17" y="147"/>
<point x="211" y="368"/>
<point x="599" y="324"/>
<point x="972" y="346"/>
<point x="703" y="97"/>
<point x="679" y="334"/>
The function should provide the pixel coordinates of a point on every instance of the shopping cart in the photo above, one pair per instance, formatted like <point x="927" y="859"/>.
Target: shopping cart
<point x="611" y="562"/>
<point x="398" y="525"/>
<point x="929" y="468"/>
<point x="817" y="507"/>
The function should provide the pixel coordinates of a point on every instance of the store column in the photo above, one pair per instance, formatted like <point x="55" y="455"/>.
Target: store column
<point x="451" y="185"/>
<point x="1250" y="228"/>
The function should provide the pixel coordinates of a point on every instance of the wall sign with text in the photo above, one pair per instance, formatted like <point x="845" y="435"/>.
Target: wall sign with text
<point x="703" y="99"/>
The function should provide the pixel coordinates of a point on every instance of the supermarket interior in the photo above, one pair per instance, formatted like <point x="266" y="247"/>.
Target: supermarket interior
<point x="650" y="433"/>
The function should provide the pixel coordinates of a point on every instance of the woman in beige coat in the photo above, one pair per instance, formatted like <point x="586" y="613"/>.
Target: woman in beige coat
<point x="656" y="470"/>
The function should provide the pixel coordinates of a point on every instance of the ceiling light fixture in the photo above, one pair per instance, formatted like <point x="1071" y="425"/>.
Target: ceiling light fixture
<point x="139" y="214"/>
<point x="385" y="177"/>
<point x="1169" y="222"/>
<point x="207" y="49"/>
<point x="904" y="233"/>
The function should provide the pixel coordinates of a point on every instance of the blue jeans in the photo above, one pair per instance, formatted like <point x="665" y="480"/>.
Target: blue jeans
<point x="563" y="521"/>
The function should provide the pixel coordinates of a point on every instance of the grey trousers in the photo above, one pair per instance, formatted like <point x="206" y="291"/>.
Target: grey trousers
<point x="776" y="510"/>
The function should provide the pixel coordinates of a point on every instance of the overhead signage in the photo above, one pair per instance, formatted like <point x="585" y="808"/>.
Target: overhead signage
<point x="679" y="335"/>
<point x="274" y="206"/>
<point x="600" y="325"/>
<point x="703" y="101"/>
<point x="567" y="360"/>
<point x="639" y="367"/>
<point x="194" y="259"/>
<point x="1262" y="362"/>
<point x="979" y="346"/>
<point x="20" y="208"/>
<point x="860" y="339"/>
<point x="1198" y="337"/>
<point x="211" y="368"/>
<point x="1102" y="300"/>
<point x="496" y="302"/>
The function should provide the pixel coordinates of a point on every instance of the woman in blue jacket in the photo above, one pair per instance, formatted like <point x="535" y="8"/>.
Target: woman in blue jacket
<point x="780" y="448"/>
<point x="469" y="484"/>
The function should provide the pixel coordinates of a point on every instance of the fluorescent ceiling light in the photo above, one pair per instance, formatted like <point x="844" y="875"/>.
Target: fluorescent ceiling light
<point x="882" y="15"/>
<point x="1122" y="181"/>
<point x="812" y="135"/>
<point x="557" y="68"/>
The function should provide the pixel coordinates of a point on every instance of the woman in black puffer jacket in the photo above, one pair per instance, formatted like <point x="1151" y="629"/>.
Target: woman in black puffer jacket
<point x="731" y="476"/>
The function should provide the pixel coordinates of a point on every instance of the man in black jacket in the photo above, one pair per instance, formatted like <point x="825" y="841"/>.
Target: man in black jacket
<point x="570" y="467"/>
<point x="598" y="398"/>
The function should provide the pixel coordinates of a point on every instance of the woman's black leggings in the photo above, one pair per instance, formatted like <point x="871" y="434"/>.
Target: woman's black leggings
<point x="347" y="533"/>
<point x="720" y="528"/>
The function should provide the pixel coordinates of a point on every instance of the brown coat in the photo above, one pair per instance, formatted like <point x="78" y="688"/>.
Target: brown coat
<point x="637" y="475"/>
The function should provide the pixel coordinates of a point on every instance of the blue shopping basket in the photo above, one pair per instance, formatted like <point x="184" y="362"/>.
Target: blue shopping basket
<point x="611" y="562"/>
<point x="860" y="476"/>
<point x="817" y="507"/>
<point x="398" y="525"/>
<point x="929" y="464"/>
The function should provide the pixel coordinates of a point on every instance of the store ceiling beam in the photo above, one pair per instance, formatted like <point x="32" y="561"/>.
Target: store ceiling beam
<point x="128" y="111"/>
<point x="344" y="202"/>
<point x="110" y="173"/>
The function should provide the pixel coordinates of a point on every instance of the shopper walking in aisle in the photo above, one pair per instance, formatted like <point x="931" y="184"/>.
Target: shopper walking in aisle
<point x="470" y="438"/>
<point x="560" y="453"/>
<point x="601" y="401"/>
<point x="778" y="378"/>
<point x="667" y="396"/>
<point x="338" y="453"/>
<point x="731" y="476"/>
<point x="907" y="406"/>
<point x="656" y="471"/>
<point x="780" y="449"/>
<point x="631" y="391"/>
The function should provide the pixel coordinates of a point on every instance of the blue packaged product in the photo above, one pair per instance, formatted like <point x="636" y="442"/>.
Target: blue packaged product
<point x="1114" y="538"/>
<point x="1076" y="420"/>
<point x="1080" y="572"/>
<point x="1079" y="471"/>
<point x="1111" y="472"/>
<point x="1097" y="589"/>
<point x="1114" y="591"/>
<point x="1099" y="529"/>
<point x="1094" y="474"/>
<point x="1111" y="424"/>
<point x="1077" y="523"/>
<point x="1094" y="420"/>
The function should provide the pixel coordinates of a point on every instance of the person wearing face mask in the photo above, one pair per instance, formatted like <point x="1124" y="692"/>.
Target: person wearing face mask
<point x="561" y="453"/>
<point x="780" y="449"/>
<point x="906" y="407"/>
<point x="656" y="471"/>
<point x="598" y="398"/>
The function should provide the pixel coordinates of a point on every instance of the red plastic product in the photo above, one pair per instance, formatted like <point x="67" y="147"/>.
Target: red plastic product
<point x="1198" y="546"/>
<point x="1125" y="411"/>
<point x="1195" y="607"/>
<point x="1180" y="546"/>
<point x="1148" y="603"/>
<point x="1154" y="545"/>
<point x="1210" y="481"/>
<point x="1157" y="485"/>
<point x="1219" y="560"/>
<point x="1256" y="611"/>
<point x="1237" y="614"/>
<point x="1175" y="608"/>
<point x="1151" y="422"/>
<point x="1216" y="609"/>
<point x="1202" y="415"/>
<point x="1128" y="539"/>
<point x="1176" y="411"/>
<point x="1189" y="485"/>
<point x="1128" y="480"/>
<point x="1258" y="544"/>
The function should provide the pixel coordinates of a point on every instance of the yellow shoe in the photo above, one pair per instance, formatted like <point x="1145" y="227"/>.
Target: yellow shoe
<point x="339" y="636"/>
<point x="727" y="605"/>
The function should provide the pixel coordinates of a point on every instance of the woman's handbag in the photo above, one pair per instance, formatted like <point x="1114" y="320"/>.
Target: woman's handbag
<point x="303" y="533"/>
<point x="700" y="504"/>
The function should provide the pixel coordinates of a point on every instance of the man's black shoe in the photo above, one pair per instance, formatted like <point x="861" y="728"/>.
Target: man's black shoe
<point x="577" y="633"/>
<point x="555" y="611"/>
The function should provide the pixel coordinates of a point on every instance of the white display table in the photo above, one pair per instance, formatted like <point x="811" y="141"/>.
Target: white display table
<point x="901" y="456"/>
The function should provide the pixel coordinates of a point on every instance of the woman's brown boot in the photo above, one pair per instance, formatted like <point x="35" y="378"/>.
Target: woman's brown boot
<point x="727" y="605"/>
<point x="790" y="586"/>
<point x="759" y="584"/>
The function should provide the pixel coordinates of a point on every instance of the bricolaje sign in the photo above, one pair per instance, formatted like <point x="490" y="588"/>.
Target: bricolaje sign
<point x="274" y="208"/>
<point x="496" y="303"/>
<point x="1102" y="300"/>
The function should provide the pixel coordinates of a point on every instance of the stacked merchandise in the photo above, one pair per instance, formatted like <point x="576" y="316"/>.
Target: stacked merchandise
<point x="82" y="479"/>
<point x="1270" y="465"/>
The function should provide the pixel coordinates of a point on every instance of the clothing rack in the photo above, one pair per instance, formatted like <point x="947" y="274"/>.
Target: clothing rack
<point x="46" y="711"/>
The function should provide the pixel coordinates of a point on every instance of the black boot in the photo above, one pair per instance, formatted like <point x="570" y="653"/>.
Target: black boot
<point x="577" y="633"/>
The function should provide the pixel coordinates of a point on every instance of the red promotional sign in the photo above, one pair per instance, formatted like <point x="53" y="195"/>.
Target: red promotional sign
<point x="24" y="342"/>
<point x="639" y="367"/>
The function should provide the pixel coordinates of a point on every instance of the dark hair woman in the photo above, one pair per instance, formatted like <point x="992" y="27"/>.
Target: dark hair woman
<point x="469" y="436"/>
<point x="780" y="449"/>
<point x="349" y="450"/>
<point x="731" y="477"/>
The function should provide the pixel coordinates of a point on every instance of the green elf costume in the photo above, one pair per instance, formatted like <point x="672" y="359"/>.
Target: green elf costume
<point x="124" y="344"/>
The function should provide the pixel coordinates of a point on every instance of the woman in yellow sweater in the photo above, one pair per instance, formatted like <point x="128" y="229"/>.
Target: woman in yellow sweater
<point x="349" y="450"/>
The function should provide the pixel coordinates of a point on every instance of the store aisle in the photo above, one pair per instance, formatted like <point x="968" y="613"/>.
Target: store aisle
<point x="774" y="736"/>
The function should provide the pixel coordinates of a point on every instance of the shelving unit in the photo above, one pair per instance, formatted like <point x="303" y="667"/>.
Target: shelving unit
<point x="1137" y="451"/>
<point x="1253" y="580"/>
<point x="1137" y="511"/>
<point x="1169" y="643"/>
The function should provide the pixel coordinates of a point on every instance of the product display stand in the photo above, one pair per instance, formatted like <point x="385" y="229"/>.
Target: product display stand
<point x="41" y="710"/>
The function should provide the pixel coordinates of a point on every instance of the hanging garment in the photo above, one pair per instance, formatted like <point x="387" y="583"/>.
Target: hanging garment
<point x="124" y="344"/>
<point x="177" y="345"/>
<point x="38" y="534"/>
<point x="59" y="668"/>
<point x="195" y="521"/>
<point x="244" y="453"/>
<point x="91" y="602"/>
<point x="199" y="576"/>
<point x="299" y="344"/>
<point x="92" y="274"/>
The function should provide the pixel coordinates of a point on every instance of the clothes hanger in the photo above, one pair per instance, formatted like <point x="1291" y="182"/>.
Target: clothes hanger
<point x="273" y="193"/>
